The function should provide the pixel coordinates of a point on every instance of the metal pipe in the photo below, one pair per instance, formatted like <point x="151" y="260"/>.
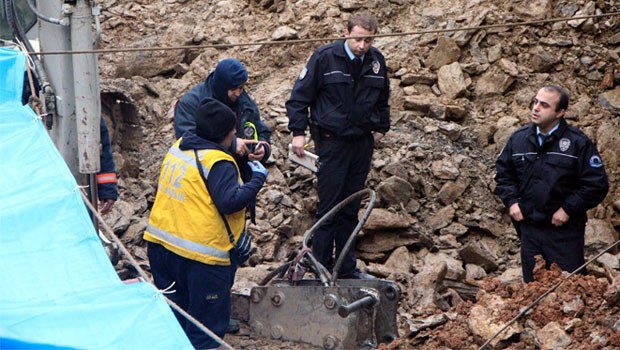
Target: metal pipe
<point x="86" y="85"/>
<point x="346" y="310"/>
<point x="62" y="22"/>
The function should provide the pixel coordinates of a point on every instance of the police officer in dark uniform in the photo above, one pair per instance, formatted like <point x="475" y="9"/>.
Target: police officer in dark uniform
<point x="548" y="175"/>
<point x="342" y="94"/>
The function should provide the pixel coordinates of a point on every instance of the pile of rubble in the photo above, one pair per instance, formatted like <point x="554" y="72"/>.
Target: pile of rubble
<point x="580" y="312"/>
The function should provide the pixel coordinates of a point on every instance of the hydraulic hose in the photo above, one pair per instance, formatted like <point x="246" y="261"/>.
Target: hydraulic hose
<point x="62" y="22"/>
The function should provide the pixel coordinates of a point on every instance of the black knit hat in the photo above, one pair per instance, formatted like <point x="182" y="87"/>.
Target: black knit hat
<point x="214" y="120"/>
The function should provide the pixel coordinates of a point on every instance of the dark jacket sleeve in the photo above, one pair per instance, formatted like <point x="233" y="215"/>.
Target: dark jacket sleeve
<point x="592" y="185"/>
<point x="230" y="197"/>
<point x="383" y="106"/>
<point x="303" y="96"/>
<point x="184" y="113"/>
<point x="106" y="178"/>
<point x="506" y="177"/>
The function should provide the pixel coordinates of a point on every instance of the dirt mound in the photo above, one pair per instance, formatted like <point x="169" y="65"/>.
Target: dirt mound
<point x="582" y="313"/>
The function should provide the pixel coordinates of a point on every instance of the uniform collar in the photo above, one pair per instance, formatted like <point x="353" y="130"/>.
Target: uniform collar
<point x="350" y="53"/>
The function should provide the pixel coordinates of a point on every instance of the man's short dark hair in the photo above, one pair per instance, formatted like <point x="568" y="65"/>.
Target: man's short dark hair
<point x="564" y="96"/>
<point x="364" y="20"/>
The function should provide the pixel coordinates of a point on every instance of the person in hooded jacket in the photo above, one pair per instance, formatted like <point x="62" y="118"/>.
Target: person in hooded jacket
<point x="189" y="243"/>
<point x="226" y="84"/>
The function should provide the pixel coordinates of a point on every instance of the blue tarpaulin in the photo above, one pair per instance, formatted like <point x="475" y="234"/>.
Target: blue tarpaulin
<point x="58" y="289"/>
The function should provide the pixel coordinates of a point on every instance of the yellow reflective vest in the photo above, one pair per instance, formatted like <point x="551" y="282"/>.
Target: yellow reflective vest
<point x="184" y="218"/>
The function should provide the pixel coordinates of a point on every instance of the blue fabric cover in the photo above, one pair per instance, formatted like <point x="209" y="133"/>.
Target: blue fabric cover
<point x="58" y="290"/>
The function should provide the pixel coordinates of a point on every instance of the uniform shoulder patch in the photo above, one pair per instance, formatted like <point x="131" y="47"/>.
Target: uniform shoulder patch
<point x="376" y="66"/>
<point x="564" y="144"/>
<point x="596" y="162"/>
<point x="303" y="73"/>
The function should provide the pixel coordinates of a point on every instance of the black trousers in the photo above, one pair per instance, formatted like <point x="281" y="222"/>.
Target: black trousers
<point x="562" y="245"/>
<point x="200" y="289"/>
<point x="344" y="166"/>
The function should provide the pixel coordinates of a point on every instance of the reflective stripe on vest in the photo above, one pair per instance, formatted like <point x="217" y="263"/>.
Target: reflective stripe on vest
<point x="185" y="244"/>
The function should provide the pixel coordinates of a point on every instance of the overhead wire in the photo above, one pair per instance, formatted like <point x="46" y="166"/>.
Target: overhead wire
<point x="310" y="40"/>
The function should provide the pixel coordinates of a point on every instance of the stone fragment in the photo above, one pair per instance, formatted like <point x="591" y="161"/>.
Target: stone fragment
<point x="484" y="322"/>
<point x="395" y="190"/>
<point x="451" y="80"/>
<point x="383" y="219"/>
<point x="493" y="82"/>
<point x="552" y="336"/>
<point x="476" y="254"/>
<point x="450" y="191"/>
<point x="442" y="218"/>
<point x="284" y="33"/>
<point x="379" y="242"/>
<point x="445" y="52"/>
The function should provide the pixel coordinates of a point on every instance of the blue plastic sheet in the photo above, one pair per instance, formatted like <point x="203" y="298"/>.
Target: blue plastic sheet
<point x="58" y="290"/>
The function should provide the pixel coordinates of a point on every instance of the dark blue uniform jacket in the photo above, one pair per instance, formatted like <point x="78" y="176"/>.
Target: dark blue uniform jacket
<point x="338" y="102"/>
<point x="566" y="171"/>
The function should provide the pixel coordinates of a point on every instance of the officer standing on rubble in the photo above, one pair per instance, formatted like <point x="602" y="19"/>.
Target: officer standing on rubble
<point x="196" y="218"/>
<point x="342" y="94"/>
<point x="548" y="175"/>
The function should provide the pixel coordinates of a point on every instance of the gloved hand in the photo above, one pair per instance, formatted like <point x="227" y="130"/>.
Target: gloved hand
<point x="257" y="167"/>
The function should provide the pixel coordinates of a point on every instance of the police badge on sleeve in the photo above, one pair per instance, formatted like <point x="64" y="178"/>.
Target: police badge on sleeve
<point x="303" y="73"/>
<point x="376" y="66"/>
<point x="564" y="144"/>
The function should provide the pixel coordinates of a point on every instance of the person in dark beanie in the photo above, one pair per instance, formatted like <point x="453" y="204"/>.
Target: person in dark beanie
<point x="198" y="220"/>
<point x="226" y="84"/>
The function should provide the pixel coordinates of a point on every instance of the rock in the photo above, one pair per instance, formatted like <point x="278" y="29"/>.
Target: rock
<point x="400" y="261"/>
<point x="418" y="78"/>
<point x="284" y="33"/>
<point x="444" y="169"/>
<point x="586" y="11"/>
<point x="423" y="287"/>
<point x="350" y="5"/>
<point x="442" y="218"/>
<point x="513" y="275"/>
<point x="611" y="100"/>
<point x="614" y="39"/>
<point x="454" y="229"/>
<point x="483" y="320"/>
<point x="451" y="130"/>
<point x="552" y="336"/>
<point x="451" y="80"/>
<point x="534" y="9"/>
<point x="509" y="67"/>
<point x="134" y="232"/>
<point x="493" y="82"/>
<point x="383" y="219"/>
<point x="445" y="52"/>
<point x="395" y="190"/>
<point x="450" y="191"/>
<point x="379" y="242"/>
<point x="609" y="260"/>
<point x="599" y="235"/>
<point x="542" y="61"/>
<point x="476" y="254"/>
<point x="454" y="267"/>
<point x="474" y="272"/>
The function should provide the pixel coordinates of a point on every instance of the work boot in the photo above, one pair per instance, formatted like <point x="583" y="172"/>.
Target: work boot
<point x="233" y="326"/>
